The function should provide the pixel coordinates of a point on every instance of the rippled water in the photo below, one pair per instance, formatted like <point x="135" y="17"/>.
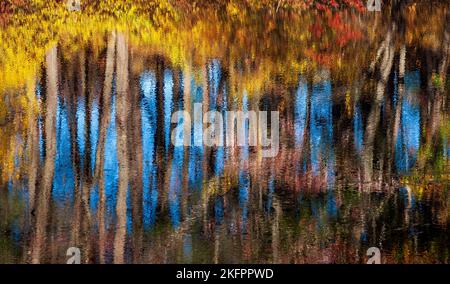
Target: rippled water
<point x="87" y="161"/>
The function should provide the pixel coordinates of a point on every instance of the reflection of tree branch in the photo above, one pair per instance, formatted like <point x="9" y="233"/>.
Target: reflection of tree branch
<point x="136" y="159"/>
<point x="43" y="198"/>
<point x="99" y="159"/>
<point x="401" y="92"/>
<point x="374" y="116"/>
<point x="79" y="177"/>
<point x="32" y="144"/>
<point x="122" y="110"/>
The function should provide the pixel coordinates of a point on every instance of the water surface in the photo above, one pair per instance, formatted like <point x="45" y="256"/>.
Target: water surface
<point x="87" y="162"/>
